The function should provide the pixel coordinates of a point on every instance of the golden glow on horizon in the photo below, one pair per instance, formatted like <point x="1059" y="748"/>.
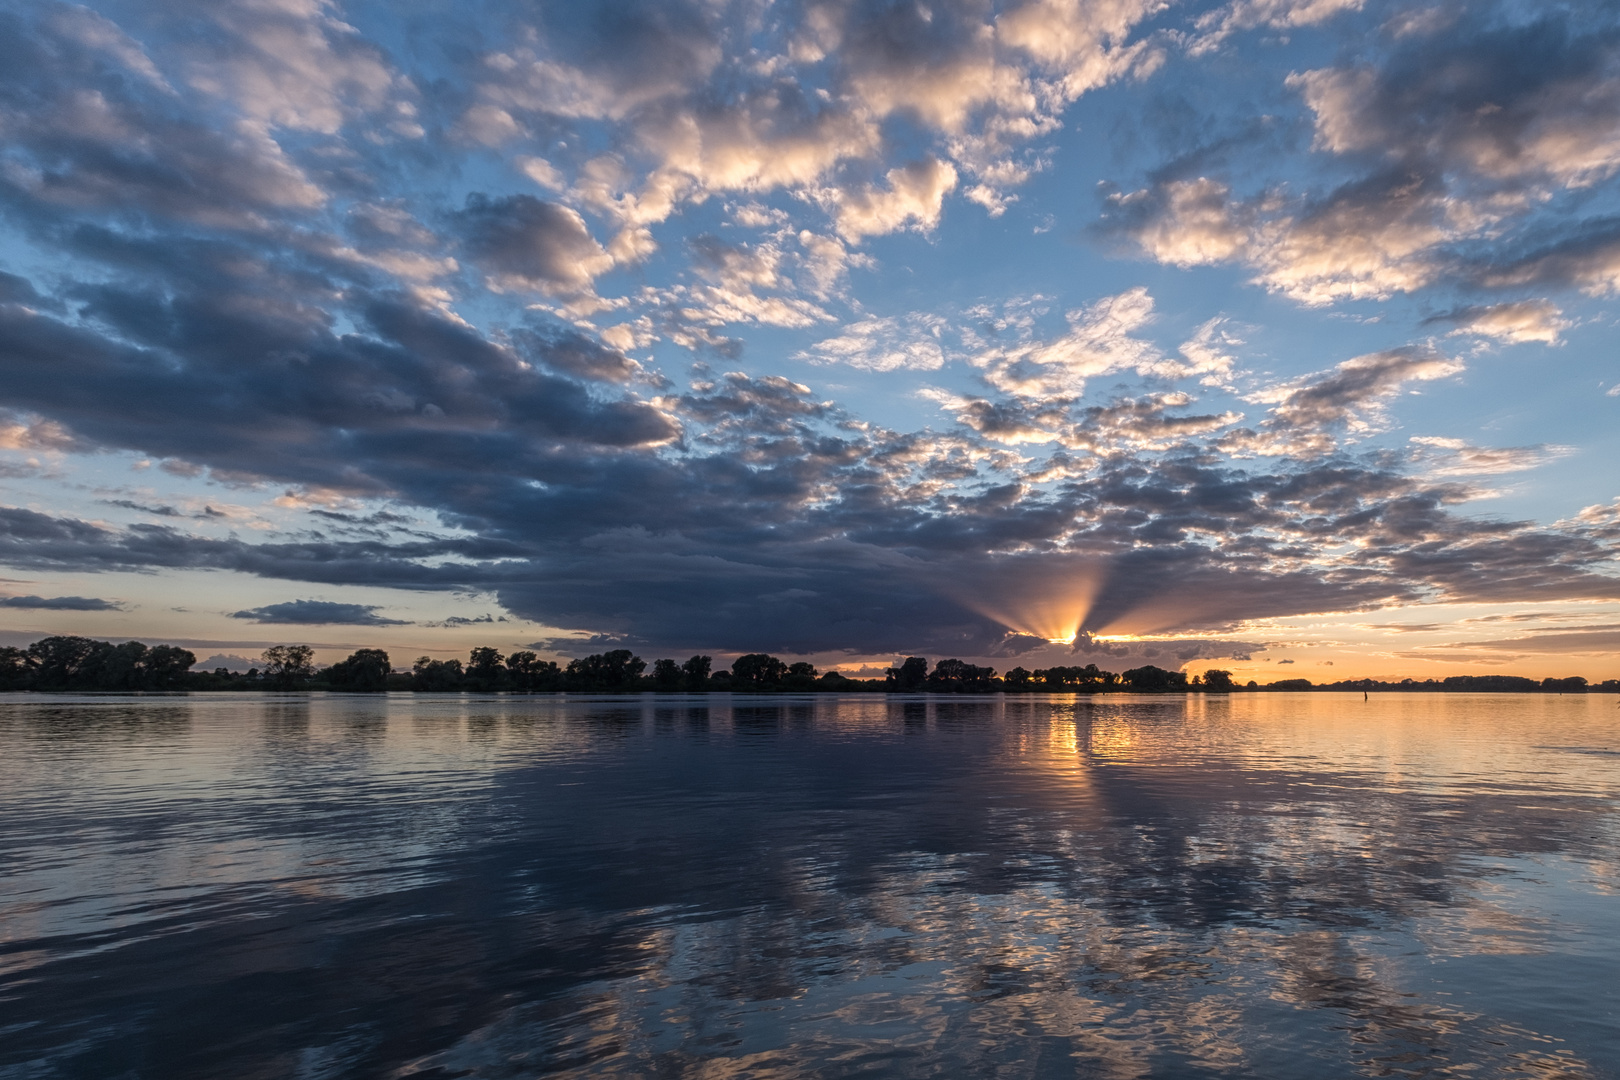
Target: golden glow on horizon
<point x="1054" y="607"/>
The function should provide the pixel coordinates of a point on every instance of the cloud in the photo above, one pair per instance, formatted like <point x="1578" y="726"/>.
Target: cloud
<point x="462" y="620"/>
<point x="1588" y="260"/>
<point x="1369" y="239"/>
<point x="806" y="104"/>
<point x="569" y="352"/>
<point x="911" y="343"/>
<point x="1307" y="414"/>
<point x="82" y="138"/>
<point x="60" y="603"/>
<point x="296" y="66"/>
<point x="732" y="277"/>
<point x="418" y="389"/>
<point x="1454" y="457"/>
<point x="1100" y="340"/>
<point x="228" y="661"/>
<point x="1215" y="26"/>
<point x="1578" y="642"/>
<point x="97" y="32"/>
<point x="1500" y="103"/>
<point x="1440" y="144"/>
<point x="318" y="613"/>
<point x="244" y="266"/>
<point x="1516" y="322"/>
<point x="912" y="198"/>
<point x="528" y="244"/>
<point x="1124" y="426"/>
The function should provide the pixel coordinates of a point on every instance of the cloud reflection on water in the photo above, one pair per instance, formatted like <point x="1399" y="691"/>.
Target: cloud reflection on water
<point x="714" y="887"/>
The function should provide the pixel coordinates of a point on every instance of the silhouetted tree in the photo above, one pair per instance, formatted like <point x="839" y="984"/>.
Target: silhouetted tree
<point x="1155" y="679"/>
<point x="667" y="675"/>
<point x="115" y="667"/>
<point x="1217" y="681"/>
<point x="696" y="671"/>
<point x="615" y="671"/>
<point x="1017" y="679"/>
<point x="1516" y="683"/>
<point x="800" y="676"/>
<point x="430" y="674"/>
<point x="15" y="673"/>
<point x="485" y="669"/>
<point x="287" y="666"/>
<point x="958" y="676"/>
<point x="80" y="663"/>
<point x="1573" y="685"/>
<point x="526" y="671"/>
<point x="363" y="671"/>
<point x="909" y="677"/>
<point x="167" y="666"/>
<point x="59" y="662"/>
<point x="1090" y="677"/>
<point x="756" y="671"/>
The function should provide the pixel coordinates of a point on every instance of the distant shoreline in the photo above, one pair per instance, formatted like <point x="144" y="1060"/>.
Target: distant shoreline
<point x="1602" y="688"/>
<point x="71" y="664"/>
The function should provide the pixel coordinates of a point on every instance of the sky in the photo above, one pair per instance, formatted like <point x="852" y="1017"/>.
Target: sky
<point x="1273" y="335"/>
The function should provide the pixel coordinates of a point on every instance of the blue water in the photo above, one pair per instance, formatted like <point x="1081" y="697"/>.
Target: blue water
<point x="1268" y="886"/>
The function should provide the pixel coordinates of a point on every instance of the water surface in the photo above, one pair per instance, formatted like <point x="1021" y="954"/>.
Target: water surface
<point x="1267" y="886"/>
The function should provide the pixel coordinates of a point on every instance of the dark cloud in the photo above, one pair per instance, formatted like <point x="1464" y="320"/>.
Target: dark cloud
<point x="21" y="291"/>
<point x="462" y="620"/>
<point x="569" y="352"/>
<point x="236" y="294"/>
<point x="1460" y="152"/>
<point x="260" y="395"/>
<point x="526" y="243"/>
<point x="60" y="603"/>
<point x="318" y="613"/>
<point x="1600" y="641"/>
<point x="1312" y="415"/>
<point x="94" y="136"/>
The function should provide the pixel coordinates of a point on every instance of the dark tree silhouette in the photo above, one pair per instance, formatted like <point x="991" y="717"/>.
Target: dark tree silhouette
<point x="667" y="675"/>
<point x="696" y="671"/>
<point x="430" y="674"/>
<point x="800" y="676"/>
<point x="63" y="662"/>
<point x="526" y="671"/>
<point x="909" y="677"/>
<point x="363" y="671"/>
<point x="288" y="666"/>
<point x="611" y="672"/>
<point x="1155" y="679"/>
<point x="14" y="671"/>
<point x="1087" y="678"/>
<point x="485" y="669"/>
<point x="1217" y="681"/>
<point x="79" y="663"/>
<point x="959" y="677"/>
<point x="756" y="671"/>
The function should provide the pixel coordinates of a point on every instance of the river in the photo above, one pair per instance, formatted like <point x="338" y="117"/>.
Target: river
<point x="1265" y="885"/>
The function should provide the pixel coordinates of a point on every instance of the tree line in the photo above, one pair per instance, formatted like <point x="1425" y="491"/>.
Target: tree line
<point x="79" y="663"/>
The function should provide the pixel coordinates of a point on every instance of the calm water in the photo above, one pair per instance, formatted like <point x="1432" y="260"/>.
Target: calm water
<point x="1271" y="886"/>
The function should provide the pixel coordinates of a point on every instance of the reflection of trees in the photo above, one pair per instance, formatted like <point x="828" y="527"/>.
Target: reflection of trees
<point x="808" y="888"/>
